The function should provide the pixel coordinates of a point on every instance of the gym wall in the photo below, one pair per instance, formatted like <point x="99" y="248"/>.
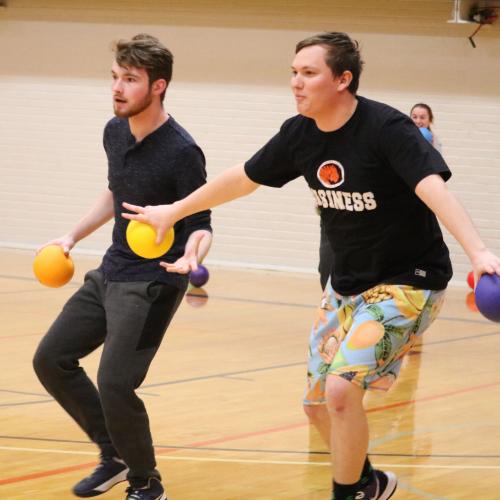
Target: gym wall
<point x="231" y="91"/>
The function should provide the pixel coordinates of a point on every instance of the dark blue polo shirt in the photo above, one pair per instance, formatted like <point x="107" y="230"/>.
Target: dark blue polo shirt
<point x="166" y="166"/>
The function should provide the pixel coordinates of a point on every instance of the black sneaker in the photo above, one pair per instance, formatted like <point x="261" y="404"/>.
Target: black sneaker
<point x="153" y="490"/>
<point x="382" y="488"/>
<point x="109" y="472"/>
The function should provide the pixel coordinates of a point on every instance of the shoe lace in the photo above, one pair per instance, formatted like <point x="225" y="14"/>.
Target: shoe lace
<point x="98" y="468"/>
<point x="133" y="493"/>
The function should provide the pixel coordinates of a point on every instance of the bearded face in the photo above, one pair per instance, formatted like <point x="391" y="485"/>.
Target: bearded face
<point x="131" y="90"/>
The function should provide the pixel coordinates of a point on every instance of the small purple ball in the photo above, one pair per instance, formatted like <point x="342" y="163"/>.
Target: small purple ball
<point x="488" y="296"/>
<point x="199" y="277"/>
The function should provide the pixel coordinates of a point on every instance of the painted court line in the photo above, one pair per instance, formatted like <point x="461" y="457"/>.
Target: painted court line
<point x="229" y="460"/>
<point x="328" y="464"/>
<point x="38" y="475"/>
<point x="275" y="451"/>
<point x="161" y="453"/>
<point x="27" y="403"/>
<point x="311" y="306"/>
<point x="236" y="437"/>
<point x="24" y="393"/>
<point x="433" y="398"/>
<point x="49" y="450"/>
<point x="303" y="424"/>
<point x="223" y="375"/>
<point x="21" y="335"/>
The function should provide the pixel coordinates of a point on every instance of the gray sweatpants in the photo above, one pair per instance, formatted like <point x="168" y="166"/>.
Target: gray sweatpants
<point x="129" y="319"/>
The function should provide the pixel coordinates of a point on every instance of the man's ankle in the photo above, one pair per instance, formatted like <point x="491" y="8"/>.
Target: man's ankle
<point x="345" y="491"/>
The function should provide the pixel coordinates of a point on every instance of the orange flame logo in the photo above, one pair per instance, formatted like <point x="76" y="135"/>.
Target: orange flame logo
<point x="331" y="174"/>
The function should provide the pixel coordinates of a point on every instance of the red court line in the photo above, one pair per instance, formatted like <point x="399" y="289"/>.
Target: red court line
<point x="53" y="472"/>
<point x="233" y="437"/>
<point x="38" y="475"/>
<point x="303" y="424"/>
<point x="432" y="398"/>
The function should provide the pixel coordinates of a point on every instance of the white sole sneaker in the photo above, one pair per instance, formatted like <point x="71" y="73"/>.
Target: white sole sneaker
<point x="390" y="488"/>
<point x="121" y="476"/>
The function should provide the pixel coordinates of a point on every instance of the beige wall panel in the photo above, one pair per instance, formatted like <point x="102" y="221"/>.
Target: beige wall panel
<point x="230" y="90"/>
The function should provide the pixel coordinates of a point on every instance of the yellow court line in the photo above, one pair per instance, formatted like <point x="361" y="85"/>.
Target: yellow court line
<point x="259" y="461"/>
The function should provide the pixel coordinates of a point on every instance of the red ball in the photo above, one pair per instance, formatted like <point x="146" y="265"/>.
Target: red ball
<point x="470" y="301"/>
<point x="470" y="279"/>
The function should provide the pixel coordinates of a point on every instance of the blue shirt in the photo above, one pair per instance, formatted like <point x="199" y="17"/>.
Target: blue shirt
<point x="166" y="166"/>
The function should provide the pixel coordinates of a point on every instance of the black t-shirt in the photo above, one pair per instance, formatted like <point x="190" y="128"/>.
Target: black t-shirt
<point x="363" y="176"/>
<point x="164" y="167"/>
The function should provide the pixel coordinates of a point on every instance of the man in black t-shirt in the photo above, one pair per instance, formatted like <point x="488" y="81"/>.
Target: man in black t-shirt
<point x="127" y="304"/>
<point x="379" y="185"/>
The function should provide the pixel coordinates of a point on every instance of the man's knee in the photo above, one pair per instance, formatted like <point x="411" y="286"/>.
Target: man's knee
<point x="341" y="394"/>
<point x="114" y="389"/>
<point x="45" y="363"/>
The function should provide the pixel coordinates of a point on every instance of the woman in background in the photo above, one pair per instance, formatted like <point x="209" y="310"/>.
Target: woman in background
<point x="422" y="116"/>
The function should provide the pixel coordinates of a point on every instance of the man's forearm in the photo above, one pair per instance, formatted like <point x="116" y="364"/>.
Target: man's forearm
<point x="229" y="185"/>
<point x="451" y="213"/>
<point x="100" y="213"/>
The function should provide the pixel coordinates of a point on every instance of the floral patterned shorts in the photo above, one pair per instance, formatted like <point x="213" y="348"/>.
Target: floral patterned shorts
<point x="363" y="338"/>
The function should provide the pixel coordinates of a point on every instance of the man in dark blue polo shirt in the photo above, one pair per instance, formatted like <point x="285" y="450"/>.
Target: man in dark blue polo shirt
<point x="127" y="303"/>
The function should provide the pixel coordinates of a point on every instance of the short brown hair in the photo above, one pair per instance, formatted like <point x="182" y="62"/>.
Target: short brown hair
<point x="342" y="54"/>
<point x="146" y="52"/>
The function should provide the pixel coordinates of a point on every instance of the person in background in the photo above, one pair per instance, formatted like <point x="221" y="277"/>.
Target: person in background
<point x="423" y="118"/>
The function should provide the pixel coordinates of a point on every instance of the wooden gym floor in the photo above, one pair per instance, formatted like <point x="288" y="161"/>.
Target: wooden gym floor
<point x="224" y="398"/>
